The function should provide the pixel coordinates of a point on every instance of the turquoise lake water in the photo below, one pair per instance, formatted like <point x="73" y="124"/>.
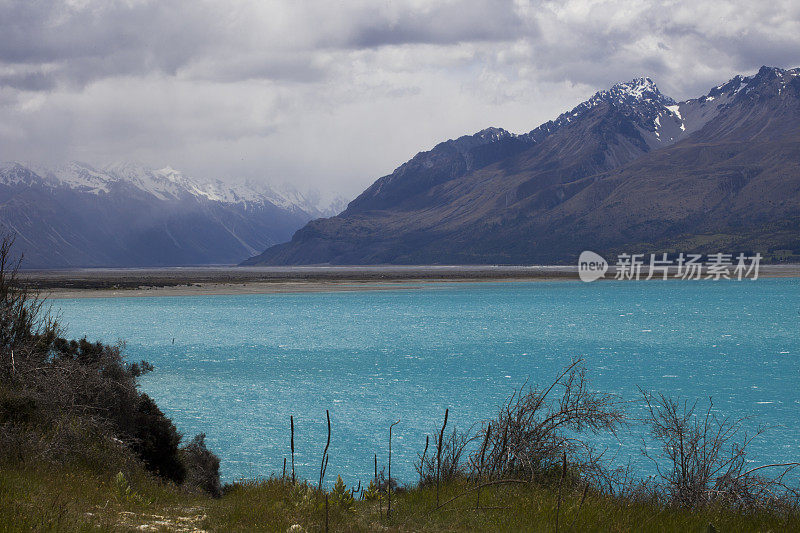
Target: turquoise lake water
<point x="241" y="365"/>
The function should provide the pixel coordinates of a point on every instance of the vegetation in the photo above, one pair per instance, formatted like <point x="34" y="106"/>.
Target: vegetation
<point x="80" y="499"/>
<point x="82" y="449"/>
<point x="69" y="405"/>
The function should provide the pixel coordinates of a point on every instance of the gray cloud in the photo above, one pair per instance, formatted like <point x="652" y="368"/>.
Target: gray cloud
<point x="79" y="42"/>
<point x="445" y="23"/>
<point x="334" y="94"/>
<point x="28" y="81"/>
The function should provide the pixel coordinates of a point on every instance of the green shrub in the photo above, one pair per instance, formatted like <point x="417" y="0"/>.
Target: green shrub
<point x="342" y="497"/>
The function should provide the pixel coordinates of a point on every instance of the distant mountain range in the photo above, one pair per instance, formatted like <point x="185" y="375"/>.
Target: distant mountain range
<point x="129" y="215"/>
<point x="628" y="170"/>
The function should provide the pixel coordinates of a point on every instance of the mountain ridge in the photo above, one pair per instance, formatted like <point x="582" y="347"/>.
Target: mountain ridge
<point x="78" y="215"/>
<point x="168" y="183"/>
<point x="534" y="193"/>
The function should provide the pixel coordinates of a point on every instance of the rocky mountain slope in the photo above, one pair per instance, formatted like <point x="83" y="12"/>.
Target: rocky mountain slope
<point x="129" y="215"/>
<point x="630" y="169"/>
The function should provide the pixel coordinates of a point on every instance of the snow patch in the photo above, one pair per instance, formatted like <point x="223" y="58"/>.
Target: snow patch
<point x="675" y="110"/>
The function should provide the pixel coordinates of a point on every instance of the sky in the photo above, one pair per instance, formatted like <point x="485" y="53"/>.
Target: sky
<point x="330" y="95"/>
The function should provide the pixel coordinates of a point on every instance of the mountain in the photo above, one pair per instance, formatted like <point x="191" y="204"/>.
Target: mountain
<point x="129" y="215"/>
<point x="629" y="170"/>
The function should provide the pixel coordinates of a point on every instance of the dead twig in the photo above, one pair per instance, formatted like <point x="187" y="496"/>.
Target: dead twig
<point x="389" y="483"/>
<point x="439" y="454"/>
<point x="324" y="465"/>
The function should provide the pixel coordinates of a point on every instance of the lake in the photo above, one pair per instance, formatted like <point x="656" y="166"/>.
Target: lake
<point x="236" y="367"/>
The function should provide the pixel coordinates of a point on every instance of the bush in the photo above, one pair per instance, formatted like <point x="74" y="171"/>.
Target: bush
<point x="532" y="435"/>
<point x="16" y="408"/>
<point x="342" y="497"/>
<point x="450" y="465"/>
<point x="703" y="459"/>
<point x="71" y="393"/>
<point x="202" y="466"/>
<point x="532" y="432"/>
<point x="155" y="440"/>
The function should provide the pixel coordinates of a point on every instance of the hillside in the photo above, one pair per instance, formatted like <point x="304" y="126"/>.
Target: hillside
<point x="629" y="169"/>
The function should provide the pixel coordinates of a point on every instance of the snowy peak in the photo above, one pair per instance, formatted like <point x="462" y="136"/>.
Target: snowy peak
<point x="634" y="94"/>
<point x="771" y="82"/>
<point x="663" y="121"/>
<point x="768" y="81"/>
<point x="695" y="113"/>
<point x="14" y="174"/>
<point x="691" y="115"/>
<point x="733" y="86"/>
<point x="166" y="184"/>
<point x="130" y="215"/>
<point x="170" y="184"/>
<point x="492" y="134"/>
<point x="79" y="176"/>
<point x="766" y="73"/>
<point x="638" y="89"/>
<point x="639" y="100"/>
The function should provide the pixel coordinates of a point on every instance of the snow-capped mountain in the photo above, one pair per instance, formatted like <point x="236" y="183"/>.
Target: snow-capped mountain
<point x="169" y="184"/>
<point x="129" y="215"/>
<point x="629" y="169"/>
<point x="639" y="100"/>
<point x="659" y="119"/>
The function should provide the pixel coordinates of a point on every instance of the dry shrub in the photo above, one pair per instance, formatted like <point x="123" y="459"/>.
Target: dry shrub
<point x="703" y="459"/>
<point x="533" y="429"/>
<point x="452" y="466"/>
<point x="530" y="435"/>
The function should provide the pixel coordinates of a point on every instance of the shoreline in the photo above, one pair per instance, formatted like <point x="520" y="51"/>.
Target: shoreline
<point x="188" y="281"/>
<point x="223" y="281"/>
<point x="255" y="287"/>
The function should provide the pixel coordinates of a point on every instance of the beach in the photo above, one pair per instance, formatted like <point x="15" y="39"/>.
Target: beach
<point x="231" y="280"/>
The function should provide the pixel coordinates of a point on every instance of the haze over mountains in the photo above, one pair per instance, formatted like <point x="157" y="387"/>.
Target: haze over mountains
<point x="129" y="215"/>
<point x="628" y="170"/>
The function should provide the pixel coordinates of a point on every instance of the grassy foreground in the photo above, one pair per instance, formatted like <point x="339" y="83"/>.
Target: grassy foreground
<point x="79" y="498"/>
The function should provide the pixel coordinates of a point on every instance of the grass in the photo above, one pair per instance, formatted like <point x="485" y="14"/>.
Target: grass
<point x="77" y="498"/>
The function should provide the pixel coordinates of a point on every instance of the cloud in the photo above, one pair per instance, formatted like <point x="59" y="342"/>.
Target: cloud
<point x="77" y="43"/>
<point x="335" y="94"/>
<point x="441" y="23"/>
